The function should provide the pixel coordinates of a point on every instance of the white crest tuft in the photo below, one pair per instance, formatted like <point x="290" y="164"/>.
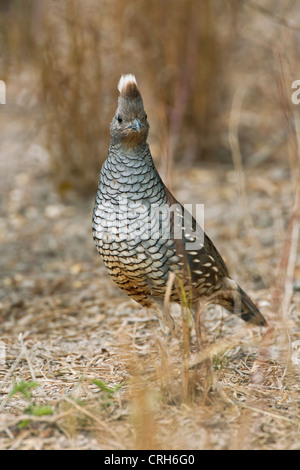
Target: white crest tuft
<point x="125" y="80"/>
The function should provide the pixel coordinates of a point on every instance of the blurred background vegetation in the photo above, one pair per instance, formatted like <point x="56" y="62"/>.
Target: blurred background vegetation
<point x="189" y="56"/>
<point x="216" y="79"/>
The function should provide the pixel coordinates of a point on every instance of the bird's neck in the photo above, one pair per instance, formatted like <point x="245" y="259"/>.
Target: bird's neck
<point x="130" y="173"/>
<point x="121" y="155"/>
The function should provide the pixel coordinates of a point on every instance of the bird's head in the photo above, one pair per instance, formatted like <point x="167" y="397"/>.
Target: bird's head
<point x="129" y="126"/>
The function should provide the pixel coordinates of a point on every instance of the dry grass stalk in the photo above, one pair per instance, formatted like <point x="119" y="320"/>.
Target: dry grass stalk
<point x="143" y="418"/>
<point x="270" y="14"/>
<point x="101" y="424"/>
<point x="283" y="288"/>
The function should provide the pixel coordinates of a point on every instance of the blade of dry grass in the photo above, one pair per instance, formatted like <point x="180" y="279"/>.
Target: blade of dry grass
<point x="102" y="424"/>
<point x="270" y="14"/>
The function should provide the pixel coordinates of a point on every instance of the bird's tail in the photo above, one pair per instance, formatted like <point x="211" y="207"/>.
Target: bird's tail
<point x="238" y="302"/>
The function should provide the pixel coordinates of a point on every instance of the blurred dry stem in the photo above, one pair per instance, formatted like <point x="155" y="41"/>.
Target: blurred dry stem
<point x="287" y="264"/>
<point x="236" y="153"/>
<point x="270" y="14"/>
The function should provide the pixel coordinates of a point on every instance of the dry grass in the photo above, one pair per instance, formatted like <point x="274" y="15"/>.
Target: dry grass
<point x="84" y="368"/>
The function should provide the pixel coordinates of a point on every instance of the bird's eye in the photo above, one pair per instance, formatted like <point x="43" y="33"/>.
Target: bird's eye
<point x="120" y="118"/>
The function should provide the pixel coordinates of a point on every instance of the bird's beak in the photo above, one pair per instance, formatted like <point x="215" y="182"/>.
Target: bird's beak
<point x="136" y="125"/>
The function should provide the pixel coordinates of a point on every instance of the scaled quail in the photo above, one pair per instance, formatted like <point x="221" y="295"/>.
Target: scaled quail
<point x="142" y="233"/>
